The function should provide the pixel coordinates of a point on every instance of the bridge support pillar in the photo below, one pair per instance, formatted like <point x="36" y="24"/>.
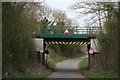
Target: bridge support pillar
<point x="43" y="55"/>
<point x="88" y="47"/>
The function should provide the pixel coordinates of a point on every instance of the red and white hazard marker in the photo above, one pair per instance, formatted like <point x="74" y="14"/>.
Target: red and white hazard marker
<point x="41" y="50"/>
<point x="66" y="30"/>
<point x="91" y="51"/>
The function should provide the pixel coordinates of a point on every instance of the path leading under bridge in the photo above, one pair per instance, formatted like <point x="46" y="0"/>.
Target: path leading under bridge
<point x="68" y="69"/>
<point x="77" y="35"/>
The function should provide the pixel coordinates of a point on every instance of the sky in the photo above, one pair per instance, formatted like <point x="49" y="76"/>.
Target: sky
<point x="60" y="4"/>
<point x="65" y="6"/>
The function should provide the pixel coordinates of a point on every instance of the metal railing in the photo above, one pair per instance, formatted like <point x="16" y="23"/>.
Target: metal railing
<point x="72" y="30"/>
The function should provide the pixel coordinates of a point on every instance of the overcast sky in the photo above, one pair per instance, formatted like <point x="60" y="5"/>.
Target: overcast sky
<point x="60" y="4"/>
<point x="64" y="5"/>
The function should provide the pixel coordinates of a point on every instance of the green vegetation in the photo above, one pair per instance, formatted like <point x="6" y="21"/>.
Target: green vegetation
<point x="65" y="50"/>
<point x="54" y="58"/>
<point x="108" y="42"/>
<point x="26" y="75"/>
<point x="45" y="70"/>
<point x="53" y="62"/>
<point x="22" y="19"/>
<point x="34" y="76"/>
<point x="18" y="47"/>
<point x="41" y="72"/>
<point x="107" y="17"/>
<point x="83" y="64"/>
<point x="97" y="73"/>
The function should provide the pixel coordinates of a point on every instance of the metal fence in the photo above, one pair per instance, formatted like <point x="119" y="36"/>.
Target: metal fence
<point x="72" y="30"/>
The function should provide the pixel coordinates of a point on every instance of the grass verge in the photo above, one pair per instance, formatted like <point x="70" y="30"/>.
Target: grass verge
<point x="83" y="64"/>
<point x="95" y="72"/>
<point x="34" y="70"/>
<point x="25" y="75"/>
<point x="41" y="74"/>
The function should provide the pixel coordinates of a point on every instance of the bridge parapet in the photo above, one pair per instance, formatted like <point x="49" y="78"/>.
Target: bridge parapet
<point x="72" y="30"/>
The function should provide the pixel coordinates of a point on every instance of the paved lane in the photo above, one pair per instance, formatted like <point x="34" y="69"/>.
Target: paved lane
<point x="68" y="69"/>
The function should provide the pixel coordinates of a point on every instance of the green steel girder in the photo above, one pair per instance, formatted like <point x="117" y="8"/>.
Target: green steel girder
<point x="61" y="36"/>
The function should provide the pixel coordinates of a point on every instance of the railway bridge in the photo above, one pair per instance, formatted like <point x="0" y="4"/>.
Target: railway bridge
<point x="67" y="36"/>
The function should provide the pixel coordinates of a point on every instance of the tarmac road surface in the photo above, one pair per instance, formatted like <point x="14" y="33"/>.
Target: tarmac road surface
<point x="68" y="69"/>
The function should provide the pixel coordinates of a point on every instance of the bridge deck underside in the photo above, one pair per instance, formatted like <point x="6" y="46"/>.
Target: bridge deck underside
<point x="77" y="39"/>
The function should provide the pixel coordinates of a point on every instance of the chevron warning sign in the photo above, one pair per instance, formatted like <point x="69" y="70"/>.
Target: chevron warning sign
<point x="62" y="42"/>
